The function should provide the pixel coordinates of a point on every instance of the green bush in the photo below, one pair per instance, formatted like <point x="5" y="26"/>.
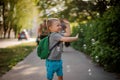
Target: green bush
<point x="80" y="41"/>
<point x="106" y="56"/>
<point x="100" y="39"/>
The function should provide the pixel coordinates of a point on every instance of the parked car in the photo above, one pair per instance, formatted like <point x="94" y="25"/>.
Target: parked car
<point x="23" y="35"/>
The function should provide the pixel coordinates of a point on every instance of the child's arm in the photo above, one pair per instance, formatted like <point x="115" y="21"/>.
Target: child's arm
<point x="69" y="39"/>
<point x="67" y="30"/>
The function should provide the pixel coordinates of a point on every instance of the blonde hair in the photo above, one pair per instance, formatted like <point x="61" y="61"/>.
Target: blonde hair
<point x="50" y="21"/>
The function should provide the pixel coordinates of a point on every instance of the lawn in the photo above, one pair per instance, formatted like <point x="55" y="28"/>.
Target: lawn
<point x="10" y="56"/>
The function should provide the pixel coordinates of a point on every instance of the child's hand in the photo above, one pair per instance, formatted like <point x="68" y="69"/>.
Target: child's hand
<point x="77" y="35"/>
<point x="66" y="21"/>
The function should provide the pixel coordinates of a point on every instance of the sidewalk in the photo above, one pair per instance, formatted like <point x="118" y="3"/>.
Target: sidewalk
<point x="77" y="66"/>
<point x="11" y="42"/>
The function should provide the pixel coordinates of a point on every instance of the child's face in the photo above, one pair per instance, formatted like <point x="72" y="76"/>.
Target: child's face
<point x="56" y="26"/>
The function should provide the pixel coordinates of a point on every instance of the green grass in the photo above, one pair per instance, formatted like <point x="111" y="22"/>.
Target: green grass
<point x="10" y="56"/>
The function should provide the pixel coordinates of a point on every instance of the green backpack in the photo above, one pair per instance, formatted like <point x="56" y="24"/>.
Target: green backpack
<point x="43" y="50"/>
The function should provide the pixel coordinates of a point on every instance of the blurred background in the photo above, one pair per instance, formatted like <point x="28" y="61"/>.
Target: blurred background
<point x="97" y="21"/>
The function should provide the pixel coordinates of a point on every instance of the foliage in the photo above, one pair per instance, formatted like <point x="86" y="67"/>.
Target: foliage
<point x="25" y="11"/>
<point x="106" y="56"/>
<point x="110" y="25"/>
<point x="49" y="8"/>
<point x="83" y="10"/>
<point x="101" y="39"/>
<point x="80" y="41"/>
<point x="12" y="55"/>
<point x="18" y="14"/>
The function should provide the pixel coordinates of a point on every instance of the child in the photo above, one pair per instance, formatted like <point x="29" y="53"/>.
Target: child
<point x="54" y="62"/>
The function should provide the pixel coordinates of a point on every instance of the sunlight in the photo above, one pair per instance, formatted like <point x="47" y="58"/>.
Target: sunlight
<point x="55" y="9"/>
<point x="85" y="0"/>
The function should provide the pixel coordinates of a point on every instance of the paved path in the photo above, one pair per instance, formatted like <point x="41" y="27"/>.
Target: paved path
<point x="77" y="66"/>
<point x="11" y="42"/>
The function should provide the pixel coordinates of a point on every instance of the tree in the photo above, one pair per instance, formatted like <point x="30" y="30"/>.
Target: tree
<point x="18" y="14"/>
<point x="86" y="9"/>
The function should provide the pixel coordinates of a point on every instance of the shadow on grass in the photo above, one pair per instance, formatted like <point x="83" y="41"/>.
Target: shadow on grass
<point x="10" y="56"/>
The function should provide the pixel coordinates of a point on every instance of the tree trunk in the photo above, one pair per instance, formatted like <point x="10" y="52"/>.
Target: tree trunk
<point x="10" y="28"/>
<point x="4" y="36"/>
<point x="15" y="33"/>
<point x="9" y="31"/>
<point x="4" y="20"/>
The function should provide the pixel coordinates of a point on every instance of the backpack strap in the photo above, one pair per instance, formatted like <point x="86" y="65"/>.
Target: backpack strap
<point x="54" y="44"/>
